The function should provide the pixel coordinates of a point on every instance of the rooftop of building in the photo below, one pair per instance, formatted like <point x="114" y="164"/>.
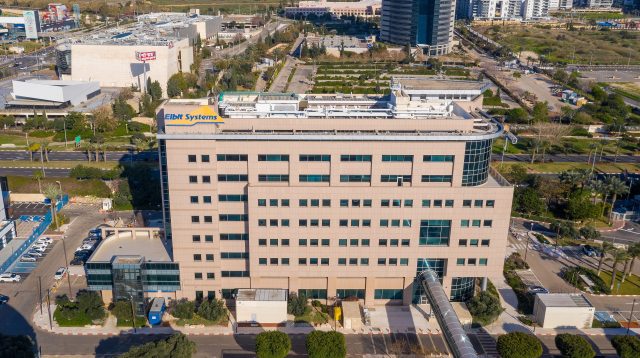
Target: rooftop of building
<point x="341" y="4"/>
<point x="563" y="300"/>
<point x="261" y="294"/>
<point x="433" y="84"/>
<point x="124" y="245"/>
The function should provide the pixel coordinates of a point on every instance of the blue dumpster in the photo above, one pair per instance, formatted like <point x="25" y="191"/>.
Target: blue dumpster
<point x="156" y="311"/>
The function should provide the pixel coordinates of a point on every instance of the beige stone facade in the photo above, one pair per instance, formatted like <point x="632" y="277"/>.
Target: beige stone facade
<point x="316" y="205"/>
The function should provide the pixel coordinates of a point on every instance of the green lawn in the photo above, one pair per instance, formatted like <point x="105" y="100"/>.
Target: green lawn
<point x="71" y="186"/>
<point x="78" y="321"/>
<point x="313" y="316"/>
<point x="56" y="164"/>
<point x="18" y="140"/>
<point x="631" y="285"/>
<point x="197" y="320"/>
<point x="140" y="322"/>
<point x="560" y="167"/>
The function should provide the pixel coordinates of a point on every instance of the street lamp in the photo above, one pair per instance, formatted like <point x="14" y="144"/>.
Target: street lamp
<point x="66" y="265"/>
<point x="59" y="185"/>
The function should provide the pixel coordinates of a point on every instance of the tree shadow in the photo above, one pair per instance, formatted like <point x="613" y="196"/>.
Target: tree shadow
<point x="13" y="323"/>
<point x="121" y="343"/>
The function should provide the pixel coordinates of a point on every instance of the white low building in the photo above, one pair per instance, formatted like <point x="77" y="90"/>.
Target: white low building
<point x="563" y="310"/>
<point x="51" y="93"/>
<point x="266" y="307"/>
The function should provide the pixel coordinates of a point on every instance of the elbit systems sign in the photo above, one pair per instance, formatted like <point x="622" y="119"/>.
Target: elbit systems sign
<point x="204" y="114"/>
<point x="145" y="56"/>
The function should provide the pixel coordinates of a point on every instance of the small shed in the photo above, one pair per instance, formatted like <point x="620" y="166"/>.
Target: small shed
<point x="563" y="310"/>
<point x="266" y="307"/>
<point x="351" y="317"/>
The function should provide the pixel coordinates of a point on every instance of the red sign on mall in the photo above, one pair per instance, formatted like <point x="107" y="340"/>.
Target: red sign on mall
<point x="145" y="56"/>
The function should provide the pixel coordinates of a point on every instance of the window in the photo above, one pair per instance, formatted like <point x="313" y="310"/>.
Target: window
<point x="315" y="158"/>
<point x="302" y="202"/>
<point x="326" y="223"/>
<point x="344" y="222"/>
<point x="460" y="262"/>
<point x="404" y="262"/>
<point x="284" y="261"/>
<point x="477" y="203"/>
<point x="485" y="243"/>
<point x="397" y="158"/>
<point x="464" y="223"/>
<point x="234" y="273"/>
<point x="384" y="223"/>
<point x="397" y="203"/>
<point x="195" y="219"/>
<point x="313" y="242"/>
<point x="355" y="203"/>
<point x="324" y="261"/>
<point x="355" y="158"/>
<point x="273" y="202"/>
<point x="365" y="242"/>
<point x="382" y="261"/>
<point x="317" y="294"/>
<point x="273" y="222"/>
<point x="208" y="238"/>
<point x="475" y="223"/>
<point x="273" y="242"/>
<point x="313" y="261"/>
<point x="234" y="237"/>
<point x="406" y="222"/>
<point x="273" y="157"/>
<point x="302" y="242"/>
<point x="355" y="178"/>
<point x="487" y="223"/>
<point x="197" y="275"/>
<point x="302" y="222"/>
<point x="284" y="203"/>
<point x="353" y="242"/>
<point x="232" y="177"/>
<point x="462" y="242"/>
<point x="193" y="199"/>
<point x="353" y="261"/>
<point x="206" y="179"/>
<point x="273" y="261"/>
<point x="394" y="242"/>
<point x="394" y="178"/>
<point x="193" y="179"/>
<point x="326" y="203"/>
<point x="366" y="222"/>
<point x="262" y="242"/>
<point x="210" y="276"/>
<point x="435" y="232"/>
<point x="387" y="294"/>
<point x="344" y="203"/>
<point x="262" y="222"/>
<point x="237" y="197"/>
<point x="342" y="242"/>
<point x="206" y="199"/>
<point x="234" y="255"/>
<point x="408" y="203"/>
<point x="302" y="261"/>
<point x="273" y="177"/>
<point x="284" y="242"/>
<point x="466" y="203"/>
<point x="482" y="262"/>
<point x="490" y="203"/>
<point x="209" y="257"/>
<point x="197" y="257"/>
<point x="233" y="217"/>
<point x="448" y="203"/>
<point x="437" y="203"/>
<point x="385" y="203"/>
<point x="393" y="262"/>
<point x="345" y="292"/>
<point x="191" y="158"/>
<point x="477" y="157"/>
<point x="426" y="203"/>
<point x="231" y="157"/>
<point x="436" y="178"/>
<point x="208" y="219"/>
<point x="315" y="203"/>
<point x="355" y="223"/>
<point x="262" y="202"/>
<point x="325" y="242"/>
<point x="205" y="158"/>
<point x="195" y="238"/>
<point x="382" y="242"/>
<point x="473" y="242"/>
<point x="471" y="262"/>
<point x="405" y="242"/>
<point x="437" y="158"/>
<point x="364" y="261"/>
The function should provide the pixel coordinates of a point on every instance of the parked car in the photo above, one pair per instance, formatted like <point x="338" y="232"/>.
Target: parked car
<point x="590" y="251"/>
<point x="60" y="273"/>
<point x="4" y="299"/>
<point x="536" y="289"/>
<point x="83" y="253"/>
<point x="28" y="258"/>
<point x="39" y="248"/>
<point x="34" y="252"/>
<point x="43" y="245"/>
<point x="79" y="260"/>
<point x="10" y="277"/>
<point x="47" y="240"/>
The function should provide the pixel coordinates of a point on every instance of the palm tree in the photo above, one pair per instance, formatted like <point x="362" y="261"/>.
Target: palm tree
<point x="616" y="187"/>
<point x="598" y="188"/>
<point x="44" y="150"/>
<point x="52" y="192"/>
<point x="37" y="175"/>
<point x="633" y="251"/>
<point x="618" y="256"/>
<point x="606" y="248"/>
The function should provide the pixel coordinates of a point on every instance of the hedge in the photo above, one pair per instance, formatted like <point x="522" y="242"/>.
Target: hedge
<point x="326" y="344"/>
<point x="626" y="346"/>
<point x="273" y="344"/>
<point x="574" y="346"/>
<point x="519" y="345"/>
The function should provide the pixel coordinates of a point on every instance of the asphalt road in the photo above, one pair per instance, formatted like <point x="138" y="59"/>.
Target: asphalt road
<point x="28" y="171"/>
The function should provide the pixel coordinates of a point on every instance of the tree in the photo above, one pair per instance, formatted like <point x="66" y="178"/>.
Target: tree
<point x="296" y="305"/>
<point x="485" y="308"/>
<point x="322" y="344"/>
<point x="213" y="310"/>
<point x="519" y="345"/>
<point x="518" y="174"/>
<point x="122" y="310"/>
<point x="634" y="252"/>
<point x="103" y="119"/>
<point x="53" y="192"/>
<point x="91" y="304"/>
<point x="589" y="233"/>
<point x="574" y="346"/>
<point x="605" y="248"/>
<point x="528" y="200"/>
<point x="38" y="175"/>
<point x="618" y="256"/>
<point x="626" y="346"/>
<point x="272" y="344"/>
<point x="579" y="207"/>
<point x="540" y="112"/>
<point x="616" y="187"/>
<point x="183" y="308"/>
<point x="546" y="135"/>
<point x="155" y="90"/>
<point x="176" y="346"/>
<point x="123" y="110"/>
<point x="517" y="115"/>
<point x="16" y="347"/>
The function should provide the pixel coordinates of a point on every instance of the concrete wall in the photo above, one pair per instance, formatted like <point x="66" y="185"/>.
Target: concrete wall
<point x="116" y="66"/>
<point x="263" y="312"/>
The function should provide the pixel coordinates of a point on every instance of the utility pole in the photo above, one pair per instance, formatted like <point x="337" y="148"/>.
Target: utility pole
<point x="49" y="309"/>
<point x="40" y="292"/>
<point x="66" y="264"/>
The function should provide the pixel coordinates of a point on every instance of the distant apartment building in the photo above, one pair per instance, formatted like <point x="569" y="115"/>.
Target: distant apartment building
<point x="599" y="4"/>
<point x="534" y="9"/>
<point x="556" y="5"/>
<point x="363" y="8"/>
<point x="427" y="24"/>
<point x="334" y="195"/>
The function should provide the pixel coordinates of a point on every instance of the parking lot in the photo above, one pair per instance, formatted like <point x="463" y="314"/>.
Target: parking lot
<point x="28" y="209"/>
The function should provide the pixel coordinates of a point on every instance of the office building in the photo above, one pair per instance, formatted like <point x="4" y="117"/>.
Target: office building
<point x="599" y="4"/>
<point x="427" y="24"/>
<point x="464" y="9"/>
<point x="363" y="8"/>
<point x="334" y="195"/>
<point x="7" y="226"/>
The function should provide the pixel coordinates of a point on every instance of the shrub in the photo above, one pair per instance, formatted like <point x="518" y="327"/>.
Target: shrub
<point x="213" y="310"/>
<point x="122" y="310"/>
<point x="519" y="345"/>
<point x="273" y="344"/>
<point x="574" y="346"/>
<point x="176" y="346"/>
<point x="485" y="308"/>
<point x="183" y="309"/>
<point x="316" y="303"/>
<point x="322" y="344"/>
<point x="296" y="304"/>
<point x="16" y="346"/>
<point x="626" y="346"/>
